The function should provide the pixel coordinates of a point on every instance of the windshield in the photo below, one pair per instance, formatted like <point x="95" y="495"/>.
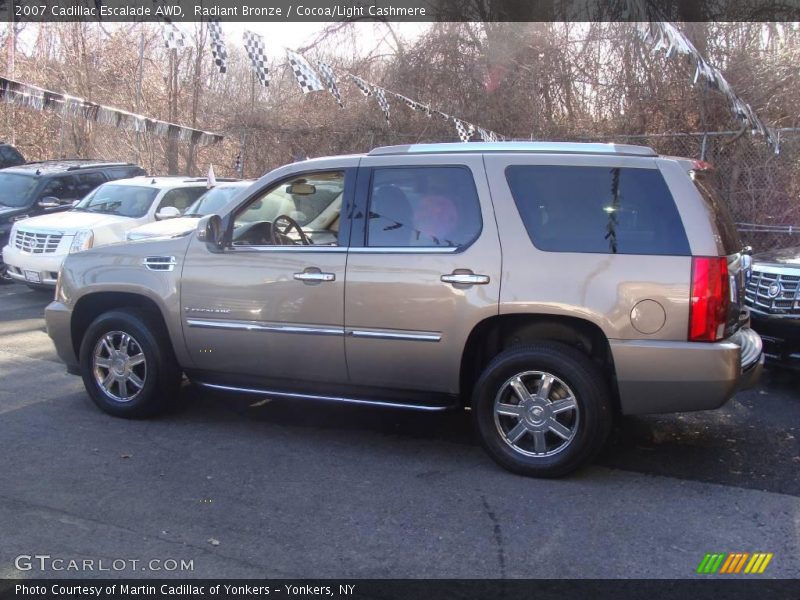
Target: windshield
<point x="122" y="200"/>
<point x="211" y="202"/>
<point x="15" y="189"/>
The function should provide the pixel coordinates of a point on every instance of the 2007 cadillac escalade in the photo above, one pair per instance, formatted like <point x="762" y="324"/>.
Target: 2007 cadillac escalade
<point x="546" y="286"/>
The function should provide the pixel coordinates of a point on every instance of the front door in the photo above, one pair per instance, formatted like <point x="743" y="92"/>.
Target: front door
<point x="270" y="306"/>
<point x="423" y="270"/>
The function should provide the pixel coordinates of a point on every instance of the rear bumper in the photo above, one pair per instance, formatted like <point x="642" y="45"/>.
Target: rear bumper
<point x="58" y="317"/>
<point x="664" y="377"/>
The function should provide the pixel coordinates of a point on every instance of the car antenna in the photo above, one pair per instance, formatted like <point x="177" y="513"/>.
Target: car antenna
<point x="153" y="182"/>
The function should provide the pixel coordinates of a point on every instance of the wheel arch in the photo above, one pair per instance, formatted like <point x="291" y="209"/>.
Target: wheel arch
<point x="500" y="332"/>
<point x="89" y="306"/>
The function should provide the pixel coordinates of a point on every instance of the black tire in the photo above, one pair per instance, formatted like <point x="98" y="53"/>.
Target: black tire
<point x="589" y="422"/>
<point x="159" y="373"/>
<point x="5" y="278"/>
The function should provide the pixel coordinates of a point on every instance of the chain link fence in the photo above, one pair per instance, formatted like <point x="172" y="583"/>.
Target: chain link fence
<point x="761" y="187"/>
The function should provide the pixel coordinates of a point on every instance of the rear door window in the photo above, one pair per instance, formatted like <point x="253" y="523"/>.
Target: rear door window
<point x="613" y="210"/>
<point x="427" y="207"/>
<point x="88" y="181"/>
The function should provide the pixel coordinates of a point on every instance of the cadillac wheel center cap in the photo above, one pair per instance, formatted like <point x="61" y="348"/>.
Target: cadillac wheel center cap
<point x="774" y="290"/>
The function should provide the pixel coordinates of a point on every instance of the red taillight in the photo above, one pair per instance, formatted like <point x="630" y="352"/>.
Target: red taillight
<point x="710" y="299"/>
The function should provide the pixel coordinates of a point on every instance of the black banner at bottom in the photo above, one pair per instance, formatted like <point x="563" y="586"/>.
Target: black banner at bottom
<point x="401" y="589"/>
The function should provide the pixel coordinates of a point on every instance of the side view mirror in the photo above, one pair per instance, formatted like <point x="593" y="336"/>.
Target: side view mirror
<point x="49" y="202"/>
<point x="209" y="230"/>
<point x="168" y="212"/>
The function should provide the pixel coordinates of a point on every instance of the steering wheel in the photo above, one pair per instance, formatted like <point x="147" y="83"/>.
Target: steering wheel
<point x="281" y="226"/>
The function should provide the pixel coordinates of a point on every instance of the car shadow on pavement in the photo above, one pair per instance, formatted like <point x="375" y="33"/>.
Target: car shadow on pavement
<point x="750" y="443"/>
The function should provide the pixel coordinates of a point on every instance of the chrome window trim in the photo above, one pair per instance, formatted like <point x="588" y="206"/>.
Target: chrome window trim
<point x="304" y="249"/>
<point x="341" y="399"/>
<point x="404" y="250"/>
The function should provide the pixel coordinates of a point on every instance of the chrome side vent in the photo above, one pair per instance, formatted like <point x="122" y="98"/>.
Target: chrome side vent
<point x="159" y="263"/>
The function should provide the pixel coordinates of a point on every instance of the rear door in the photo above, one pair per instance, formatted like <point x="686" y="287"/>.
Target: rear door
<point x="423" y="269"/>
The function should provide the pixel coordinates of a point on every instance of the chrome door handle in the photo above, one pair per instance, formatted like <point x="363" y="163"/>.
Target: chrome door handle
<point x="314" y="276"/>
<point x="465" y="279"/>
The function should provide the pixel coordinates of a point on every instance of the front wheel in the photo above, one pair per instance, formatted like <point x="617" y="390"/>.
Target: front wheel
<point x="542" y="410"/>
<point x="5" y="278"/>
<point x="127" y="364"/>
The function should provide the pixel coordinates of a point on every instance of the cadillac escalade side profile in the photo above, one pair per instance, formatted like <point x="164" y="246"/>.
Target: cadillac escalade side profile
<point x="545" y="286"/>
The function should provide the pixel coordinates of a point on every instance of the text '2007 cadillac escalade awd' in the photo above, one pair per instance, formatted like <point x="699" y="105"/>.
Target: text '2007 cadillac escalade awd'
<point x="546" y="286"/>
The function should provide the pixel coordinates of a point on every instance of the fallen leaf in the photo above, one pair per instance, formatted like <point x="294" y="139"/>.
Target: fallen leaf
<point x="125" y="455"/>
<point x="213" y="542"/>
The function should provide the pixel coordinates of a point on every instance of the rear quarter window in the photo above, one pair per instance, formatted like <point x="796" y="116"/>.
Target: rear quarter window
<point x="611" y="210"/>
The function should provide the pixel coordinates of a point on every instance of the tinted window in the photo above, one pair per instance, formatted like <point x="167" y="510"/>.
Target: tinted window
<point x="123" y="200"/>
<point x="10" y="156"/>
<point x="63" y="188"/>
<point x="16" y="189"/>
<point x="423" y="207"/>
<point x="597" y="209"/>
<point x="124" y="172"/>
<point x="182" y="198"/>
<point x="88" y="181"/>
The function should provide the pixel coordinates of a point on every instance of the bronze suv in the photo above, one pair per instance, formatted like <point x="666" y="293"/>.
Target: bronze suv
<point x="545" y="286"/>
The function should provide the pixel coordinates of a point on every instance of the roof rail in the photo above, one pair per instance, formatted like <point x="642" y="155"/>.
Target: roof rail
<point x="529" y="147"/>
<point x="99" y="164"/>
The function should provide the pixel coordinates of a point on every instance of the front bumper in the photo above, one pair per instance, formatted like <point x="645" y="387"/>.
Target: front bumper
<point x="781" y="335"/>
<point x="58" y="317"/>
<point x="46" y="265"/>
<point x="664" y="377"/>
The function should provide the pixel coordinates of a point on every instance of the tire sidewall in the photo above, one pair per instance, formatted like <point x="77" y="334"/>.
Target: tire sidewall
<point x="147" y="402"/>
<point x="590" y="395"/>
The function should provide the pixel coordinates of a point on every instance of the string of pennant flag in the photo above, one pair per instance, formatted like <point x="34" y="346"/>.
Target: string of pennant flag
<point x="313" y="76"/>
<point x="316" y="76"/>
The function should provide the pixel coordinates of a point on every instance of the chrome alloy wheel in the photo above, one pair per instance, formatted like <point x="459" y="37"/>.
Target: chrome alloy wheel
<point x="536" y="414"/>
<point x="119" y="366"/>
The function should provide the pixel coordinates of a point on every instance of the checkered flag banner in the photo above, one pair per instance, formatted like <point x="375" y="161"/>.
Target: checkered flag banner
<point x="465" y="130"/>
<point x="412" y="104"/>
<point x="329" y="78"/>
<point x="174" y="38"/>
<point x="304" y="73"/>
<point x="218" y="49"/>
<point x="380" y="96"/>
<point x="254" y="45"/>
<point x="362" y="85"/>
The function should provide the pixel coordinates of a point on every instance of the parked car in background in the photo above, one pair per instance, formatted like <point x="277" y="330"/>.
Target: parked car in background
<point x="548" y="286"/>
<point x="213" y="201"/>
<point x="37" y="246"/>
<point x="773" y="295"/>
<point x="10" y="156"/>
<point x="41" y="188"/>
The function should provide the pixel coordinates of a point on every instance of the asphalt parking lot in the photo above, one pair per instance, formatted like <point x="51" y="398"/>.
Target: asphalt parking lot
<point x="246" y="487"/>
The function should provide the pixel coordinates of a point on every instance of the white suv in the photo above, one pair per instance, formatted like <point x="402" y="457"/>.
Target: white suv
<point x="37" y="246"/>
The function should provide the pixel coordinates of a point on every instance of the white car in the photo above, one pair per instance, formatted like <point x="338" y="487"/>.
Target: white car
<point x="213" y="201"/>
<point x="37" y="246"/>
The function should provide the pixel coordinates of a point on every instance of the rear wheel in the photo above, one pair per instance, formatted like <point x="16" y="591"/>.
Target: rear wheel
<point x="542" y="410"/>
<point x="127" y="364"/>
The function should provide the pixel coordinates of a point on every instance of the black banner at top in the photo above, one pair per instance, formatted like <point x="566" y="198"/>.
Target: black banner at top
<point x="398" y="10"/>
